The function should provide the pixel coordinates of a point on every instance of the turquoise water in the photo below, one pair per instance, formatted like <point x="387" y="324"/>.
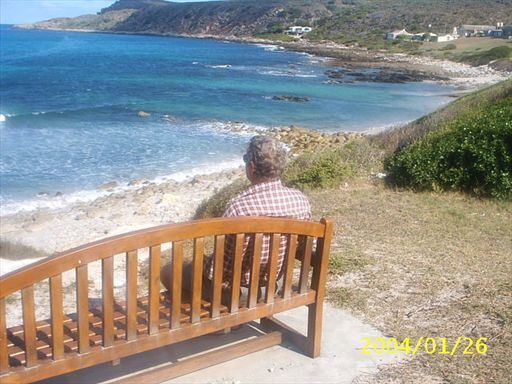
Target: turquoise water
<point x="69" y="102"/>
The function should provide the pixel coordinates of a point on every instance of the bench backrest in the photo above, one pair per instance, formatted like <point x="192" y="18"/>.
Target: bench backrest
<point x="142" y="320"/>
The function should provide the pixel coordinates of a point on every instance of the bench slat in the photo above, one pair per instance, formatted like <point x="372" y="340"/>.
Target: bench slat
<point x="306" y="265"/>
<point x="29" y="325"/>
<point x="197" y="280"/>
<point x="154" y="288"/>
<point x="177" y="275"/>
<point x="131" y="295"/>
<point x="107" y="293"/>
<point x="275" y="242"/>
<point x="255" y="271"/>
<point x="4" y="356"/>
<point x="236" y="273"/>
<point x="82" y="304"/>
<point x="218" y="270"/>
<point x="57" y="317"/>
<point x="289" y="263"/>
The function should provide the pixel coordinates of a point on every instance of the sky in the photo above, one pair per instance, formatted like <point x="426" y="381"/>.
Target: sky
<point x="28" y="11"/>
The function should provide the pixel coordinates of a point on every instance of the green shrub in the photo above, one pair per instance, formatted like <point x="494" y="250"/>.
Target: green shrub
<point x="217" y="204"/>
<point x="485" y="57"/>
<point x="330" y="167"/>
<point x="448" y="47"/>
<point x="472" y="154"/>
<point x="17" y="251"/>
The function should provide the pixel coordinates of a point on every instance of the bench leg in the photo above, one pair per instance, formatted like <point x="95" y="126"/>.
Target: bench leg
<point x="310" y="344"/>
<point x="315" y="313"/>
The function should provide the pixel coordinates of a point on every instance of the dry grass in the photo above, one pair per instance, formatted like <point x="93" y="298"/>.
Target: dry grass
<point x="462" y="46"/>
<point x="425" y="264"/>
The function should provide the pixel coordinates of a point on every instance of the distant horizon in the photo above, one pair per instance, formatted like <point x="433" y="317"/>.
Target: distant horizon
<point x="31" y="11"/>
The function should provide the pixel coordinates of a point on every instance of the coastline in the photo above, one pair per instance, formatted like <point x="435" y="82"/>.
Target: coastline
<point x="463" y="76"/>
<point x="117" y="209"/>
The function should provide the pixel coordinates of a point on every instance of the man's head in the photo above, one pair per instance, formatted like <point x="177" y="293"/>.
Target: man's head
<point x="265" y="159"/>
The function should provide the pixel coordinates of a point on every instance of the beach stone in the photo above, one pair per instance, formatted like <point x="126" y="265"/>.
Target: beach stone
<point x="143" y="114"/>
<point x="137" y="182"/>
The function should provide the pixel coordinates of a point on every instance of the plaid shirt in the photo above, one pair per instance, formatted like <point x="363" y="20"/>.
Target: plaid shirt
<point x="265" y="199"/>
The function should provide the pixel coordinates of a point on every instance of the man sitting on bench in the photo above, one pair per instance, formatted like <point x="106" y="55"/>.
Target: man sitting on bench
<point x="265" y="161"/>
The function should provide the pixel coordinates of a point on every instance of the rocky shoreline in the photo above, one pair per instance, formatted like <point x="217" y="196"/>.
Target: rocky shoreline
<point x="392" y="65"/>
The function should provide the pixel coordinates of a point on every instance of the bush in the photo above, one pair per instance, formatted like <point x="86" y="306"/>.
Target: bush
<point x="485" y="57"/>
<point x="472" y="154"/>
<point x="330" y="167"/>
<point x="217" y="204"/>
<point x="17" y="251"/>
<point x="448" y="47"/>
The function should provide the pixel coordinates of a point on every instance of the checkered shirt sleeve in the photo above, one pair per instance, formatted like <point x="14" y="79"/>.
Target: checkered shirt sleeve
<point x="266" y="199"/>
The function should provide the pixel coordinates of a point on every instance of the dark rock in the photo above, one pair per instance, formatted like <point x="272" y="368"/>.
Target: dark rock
<point x="295" y="99"/>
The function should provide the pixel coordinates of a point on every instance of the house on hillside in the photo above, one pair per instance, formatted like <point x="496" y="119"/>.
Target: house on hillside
<point x="298" y="30"/>
<point x="467" y="30"/>
<point x="507" y="32"/>
<point x="418" y="37"/>
<point x="442" y="38"/>
<point x="393" y="35"/>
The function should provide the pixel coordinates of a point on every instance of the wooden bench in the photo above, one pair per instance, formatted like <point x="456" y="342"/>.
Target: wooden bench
<point x="116" y="328"/>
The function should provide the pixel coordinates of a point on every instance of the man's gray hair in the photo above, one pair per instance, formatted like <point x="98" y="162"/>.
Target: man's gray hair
<point x="268" y="155"/>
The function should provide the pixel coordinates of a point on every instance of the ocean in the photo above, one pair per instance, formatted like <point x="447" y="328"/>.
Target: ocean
<point x="69" y="105"/>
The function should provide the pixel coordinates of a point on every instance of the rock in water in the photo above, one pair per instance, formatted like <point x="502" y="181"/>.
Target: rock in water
<point x="296" y="99"/>
<point x="143" y="114"/>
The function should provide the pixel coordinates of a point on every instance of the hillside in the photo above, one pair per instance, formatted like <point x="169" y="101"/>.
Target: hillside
<point x="346" y="21"/>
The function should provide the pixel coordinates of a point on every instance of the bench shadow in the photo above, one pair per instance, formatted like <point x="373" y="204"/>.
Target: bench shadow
<point x="168" y="354"/>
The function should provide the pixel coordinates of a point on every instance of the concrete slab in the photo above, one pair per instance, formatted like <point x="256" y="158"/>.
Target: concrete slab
<point x="341" y="360"/>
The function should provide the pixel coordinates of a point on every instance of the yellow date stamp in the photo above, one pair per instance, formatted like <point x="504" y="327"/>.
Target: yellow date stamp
<point x="430" y="345"/>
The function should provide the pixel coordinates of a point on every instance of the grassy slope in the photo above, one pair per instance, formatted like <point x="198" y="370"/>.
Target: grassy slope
<point x="424" y="264"/>
<point x="390" y="140"/>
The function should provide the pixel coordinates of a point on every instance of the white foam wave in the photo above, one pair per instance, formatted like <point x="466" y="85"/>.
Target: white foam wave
<point x="284" y="74"/>
<point x="270" y="47"/>
<point x="219" y="66"/>
<point x="3" y="117"/>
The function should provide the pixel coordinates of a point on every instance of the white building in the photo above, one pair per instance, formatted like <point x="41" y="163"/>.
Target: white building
<point x="298" y="30"/>
<point x="396" y="33"/>
<point x="442" y="38"/>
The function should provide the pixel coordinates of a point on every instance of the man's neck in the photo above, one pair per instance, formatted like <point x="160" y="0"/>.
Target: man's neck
<point x="259" y="180"/>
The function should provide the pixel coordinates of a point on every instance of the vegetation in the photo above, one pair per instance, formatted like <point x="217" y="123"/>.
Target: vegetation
<point x="472" y="154"/>
<point x="15" y="251"/>
<point x="217" y="203"/>
<point x="329" y="168"/>
<point x="399" y="137"/>
<point x="485" y="57"/>
<point x="353" y="22"/>
<point x="424" y="265"/>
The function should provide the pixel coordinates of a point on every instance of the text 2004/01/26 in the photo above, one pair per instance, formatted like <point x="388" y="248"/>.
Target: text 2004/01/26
<point x="430" y="345"/>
